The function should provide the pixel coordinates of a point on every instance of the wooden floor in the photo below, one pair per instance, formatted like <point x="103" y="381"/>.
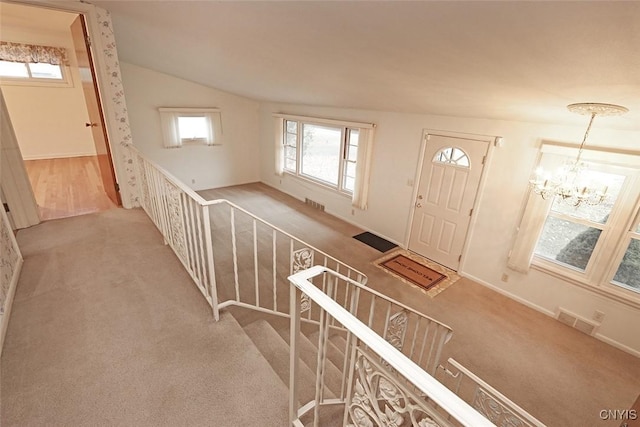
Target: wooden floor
<point x="67" y="187"/>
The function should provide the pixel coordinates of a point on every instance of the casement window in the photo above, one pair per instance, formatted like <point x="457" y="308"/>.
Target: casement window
<point x="594" y="245"/>
<point x="190" y="126"/>
<point x="330" y="153"/>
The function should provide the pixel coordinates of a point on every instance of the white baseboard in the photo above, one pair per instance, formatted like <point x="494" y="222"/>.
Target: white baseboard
<point x="4" y="319"/>
<point x="57" y="155"/>
<point x="549" y="313"/>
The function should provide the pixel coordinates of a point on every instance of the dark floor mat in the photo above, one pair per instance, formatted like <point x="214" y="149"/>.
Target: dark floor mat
<point x="375" y="242"/>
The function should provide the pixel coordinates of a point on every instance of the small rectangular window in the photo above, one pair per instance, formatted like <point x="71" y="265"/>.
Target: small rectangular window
<point x="190" y="125"/>
<point x="193" y="128"/>
<point x="31" y="72"/>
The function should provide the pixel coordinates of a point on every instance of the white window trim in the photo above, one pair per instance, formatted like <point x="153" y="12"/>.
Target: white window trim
<point x="65" y="82"/>
<point x="169" y="121"/>
<point x="360" y="194"/>
<point x="616" y="241"/>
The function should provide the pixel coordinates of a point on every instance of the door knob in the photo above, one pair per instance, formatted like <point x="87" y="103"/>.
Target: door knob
<point x="418" y="205"/>
<point x="91" y="125"/>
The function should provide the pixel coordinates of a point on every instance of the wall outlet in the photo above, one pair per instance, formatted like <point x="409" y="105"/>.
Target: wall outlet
<point x="353" y="211"/>
<point x="193" y="180"/>
<point x="598" y="316"/>
<point x="505" y="277"/>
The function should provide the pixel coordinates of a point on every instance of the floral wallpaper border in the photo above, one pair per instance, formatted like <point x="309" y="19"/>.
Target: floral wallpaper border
<point x="120" y="131"/>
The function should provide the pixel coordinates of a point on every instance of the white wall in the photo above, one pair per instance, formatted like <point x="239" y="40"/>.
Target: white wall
<point x="236" y="161"/>
<point x="49" y="121"/>
<point x="395" y="162"/>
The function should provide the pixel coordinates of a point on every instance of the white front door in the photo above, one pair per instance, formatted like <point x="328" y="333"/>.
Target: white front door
<point x="451" y="172"/>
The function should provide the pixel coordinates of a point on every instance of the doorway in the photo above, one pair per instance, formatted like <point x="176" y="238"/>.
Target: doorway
<point x="447" y="188"/>
<point x="61" y="133"/>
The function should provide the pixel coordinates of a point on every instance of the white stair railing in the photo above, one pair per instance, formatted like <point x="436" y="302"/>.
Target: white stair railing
<point x="484" y="398"/>
<point x="385" y="387"/>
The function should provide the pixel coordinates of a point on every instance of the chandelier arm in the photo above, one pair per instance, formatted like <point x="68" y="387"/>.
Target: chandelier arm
<point x="586" y="135"/>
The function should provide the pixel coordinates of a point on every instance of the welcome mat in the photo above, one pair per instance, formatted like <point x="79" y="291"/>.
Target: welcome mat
<point x="431" y="277"/>
<point x="375" y="242"/>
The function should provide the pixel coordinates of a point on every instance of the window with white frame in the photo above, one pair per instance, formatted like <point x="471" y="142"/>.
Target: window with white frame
<point x="597" y="245"/>
<point x="28" y="64"/>
<point x="190" y="125"/>
<point x="331" y="153"/>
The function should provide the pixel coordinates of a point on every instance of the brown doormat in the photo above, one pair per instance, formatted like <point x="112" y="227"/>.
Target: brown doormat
<point x="441" y="277"/>
<point x="413" y="271"/>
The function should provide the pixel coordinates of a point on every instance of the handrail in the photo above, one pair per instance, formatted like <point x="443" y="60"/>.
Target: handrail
<point x="175" y="181"/>
<point x="204" y="202"/>
<point x="437" y="392"/>
<point x="495" y="394"/>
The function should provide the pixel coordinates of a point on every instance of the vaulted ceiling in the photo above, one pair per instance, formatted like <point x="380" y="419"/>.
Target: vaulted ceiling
<point x="515" y="60"/>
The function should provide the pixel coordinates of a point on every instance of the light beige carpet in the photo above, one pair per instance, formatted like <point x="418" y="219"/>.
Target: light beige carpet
<point x="108" y="329"/>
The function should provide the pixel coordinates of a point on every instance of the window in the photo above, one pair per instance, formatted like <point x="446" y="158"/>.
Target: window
<point x="331" y="153"/>
<point x="33" y="64"/>
<point x="30" y="70"/>
<point x="190" y="125"/>
<point x="594" y="245"/>
<point x="452" y="156"/>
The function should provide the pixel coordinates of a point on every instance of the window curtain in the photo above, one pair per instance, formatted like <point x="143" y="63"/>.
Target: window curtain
<point x="363" y="168"/>
<point x="26" y="53"/>
<point x="279" y="145"/>
<point x="532" y="222"/>
<point x="170" y="134"/>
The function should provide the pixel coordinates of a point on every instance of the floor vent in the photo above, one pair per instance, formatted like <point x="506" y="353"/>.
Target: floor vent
<point x="576" y="322"/>
<point x="314" y="204"/>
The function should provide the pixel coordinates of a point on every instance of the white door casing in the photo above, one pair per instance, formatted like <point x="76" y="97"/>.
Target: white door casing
<point x="447" y="188"/>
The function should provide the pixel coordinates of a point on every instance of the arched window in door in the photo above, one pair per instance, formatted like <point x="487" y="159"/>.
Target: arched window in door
<point x="452" y="156"/>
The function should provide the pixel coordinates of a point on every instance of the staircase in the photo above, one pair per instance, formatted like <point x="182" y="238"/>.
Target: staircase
<point x="270" y="336"/>
<point x="350" y="344"/>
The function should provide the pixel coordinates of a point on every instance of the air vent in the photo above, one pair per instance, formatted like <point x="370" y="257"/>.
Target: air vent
<point x="314" y="204"/>
<point x="576" y="322"/>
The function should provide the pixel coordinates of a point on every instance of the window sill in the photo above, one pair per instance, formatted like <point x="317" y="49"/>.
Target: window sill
<point x="621" y="296"/>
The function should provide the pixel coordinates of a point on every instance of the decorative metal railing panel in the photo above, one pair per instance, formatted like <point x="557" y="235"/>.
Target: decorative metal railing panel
<point x="380" y="398"/>
<point x="485" y="399"/>
<point x="384" y="387"/>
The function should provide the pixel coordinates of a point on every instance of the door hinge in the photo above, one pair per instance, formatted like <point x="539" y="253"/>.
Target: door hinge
<point x="459" y="257"/>
<point x="6" y="207"/>
<point x="117" y="187"/>
<point x="484" y="159"/>
<point x="471" y="212"/>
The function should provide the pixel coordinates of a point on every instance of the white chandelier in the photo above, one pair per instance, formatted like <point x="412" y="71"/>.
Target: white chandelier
<point x="567" y="183"/>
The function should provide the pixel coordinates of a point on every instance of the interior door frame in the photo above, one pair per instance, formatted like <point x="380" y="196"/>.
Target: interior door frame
<point x="112" y="116"/>
<point x="494" y="141"/>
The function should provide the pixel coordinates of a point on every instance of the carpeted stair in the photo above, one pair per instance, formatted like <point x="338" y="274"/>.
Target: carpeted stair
<point x="272" y="340"/>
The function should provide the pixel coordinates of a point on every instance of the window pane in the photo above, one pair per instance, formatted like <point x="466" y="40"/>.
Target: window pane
<point x="628" y="273"/>
<point x="567" y="242"/>
<point x="349" y="184"/>
<point x="352" y="155"/>
<point x="290" y="164"/>
<point x="193" y="127"/>
<point x="290" y="153"/>
<point x="608" y="182"/>
<point x="321" y="152"/>
<point x="292" y="127"/>
<point x="13" y="69"/>
<point x="451" y="155"/>
<point x="291" y="139"/>
<point x="45" y="71"/>
<point x="354" y="136"/>
<point x="351" y="170"/>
